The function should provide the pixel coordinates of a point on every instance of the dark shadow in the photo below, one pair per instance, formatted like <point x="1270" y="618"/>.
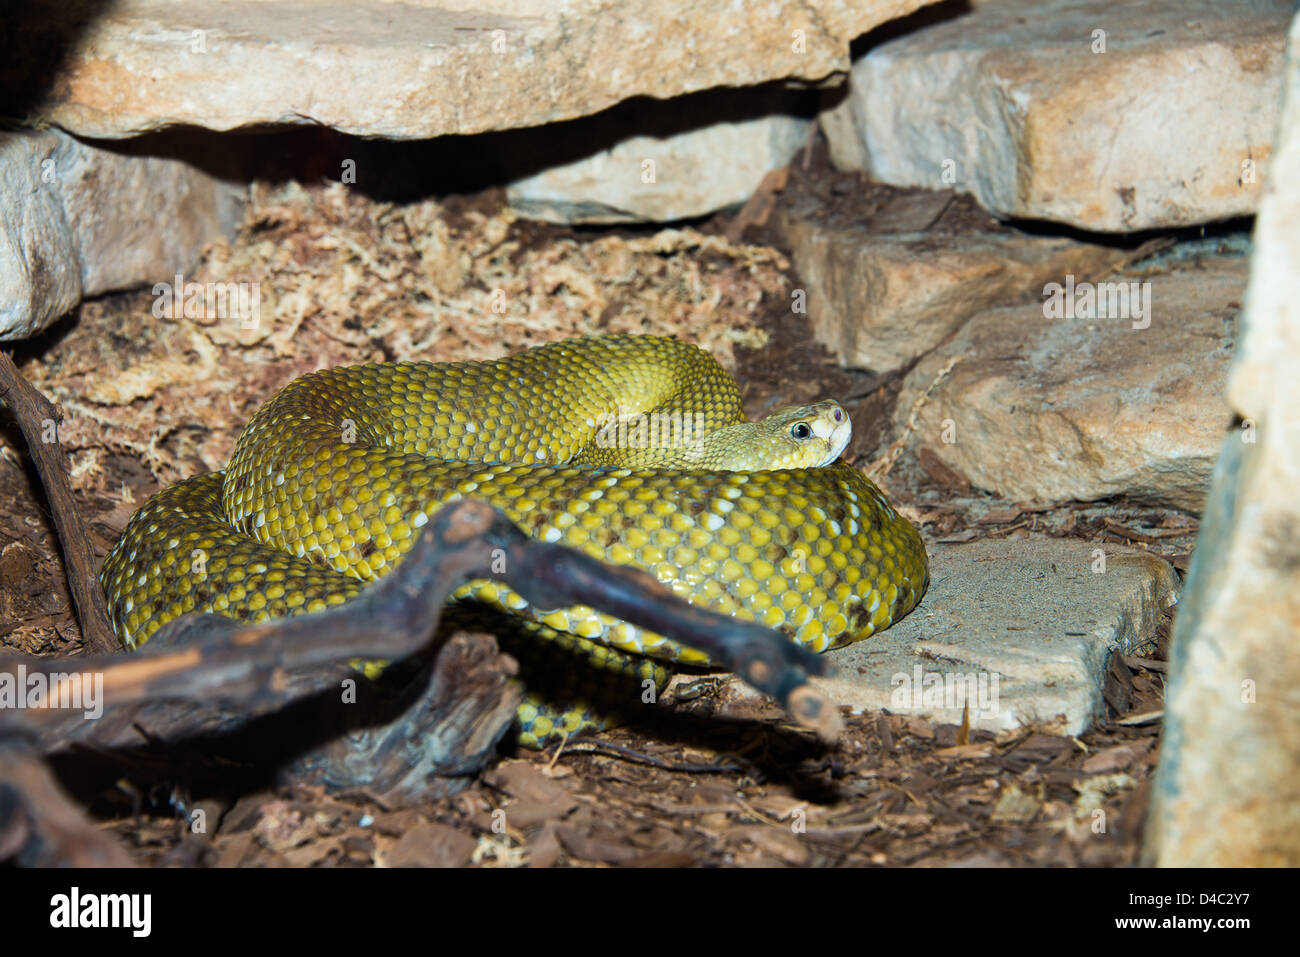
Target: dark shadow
<point x="1226" y="231"/>
<point x="36" y="39"/>
<point x="409" y="170"/>
<point x="247" y="758"/>
<point x="893" y="29"/>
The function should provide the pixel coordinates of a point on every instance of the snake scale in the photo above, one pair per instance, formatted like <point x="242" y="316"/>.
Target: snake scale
<point x="334" y="476"/>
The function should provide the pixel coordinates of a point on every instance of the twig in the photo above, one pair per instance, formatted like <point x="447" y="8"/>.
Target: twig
<point x="1150" y="537"/>
<point x="610" y="749"/>
<point x="39" y="419"/>
<point x="1150" y="664"/>
<point x="881" y="467"/>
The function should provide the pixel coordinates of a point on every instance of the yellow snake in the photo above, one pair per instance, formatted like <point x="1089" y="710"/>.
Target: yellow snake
<point x="633" y="449"/>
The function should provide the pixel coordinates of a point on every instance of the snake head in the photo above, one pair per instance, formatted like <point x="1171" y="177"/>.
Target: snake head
<point x="803" y="436"/>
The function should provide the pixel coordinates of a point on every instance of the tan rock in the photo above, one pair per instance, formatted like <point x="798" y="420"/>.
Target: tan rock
<point x="1227" y="791"/>
<point x="884" y="290"/>
<point x="77" y="220"/>
<point x="415" y="69"/>
<point x="1046" y="408"/>
<point x="1015" y="103"/>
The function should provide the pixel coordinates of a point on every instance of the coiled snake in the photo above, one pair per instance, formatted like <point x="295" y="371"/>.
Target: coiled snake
<point x="631" y="448"/>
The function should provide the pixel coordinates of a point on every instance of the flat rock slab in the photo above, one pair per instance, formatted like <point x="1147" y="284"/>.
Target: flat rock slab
<point x="663" y="178"/>
<point x="887" y="286"/>
<point x="1106" y="116"/>
<point x="78" y="220"/>
<point x="1120" y="391"/>
<point x="1026" y="626"/>
<point x="408" y="70"/>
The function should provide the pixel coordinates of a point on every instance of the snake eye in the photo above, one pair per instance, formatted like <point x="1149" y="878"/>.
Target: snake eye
<point x="800" y="430"/>
<point x="839" y="415"/>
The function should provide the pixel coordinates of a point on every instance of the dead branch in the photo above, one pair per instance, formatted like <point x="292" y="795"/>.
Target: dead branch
<point x="206" y="673"/>
<point x="38" y="419"/>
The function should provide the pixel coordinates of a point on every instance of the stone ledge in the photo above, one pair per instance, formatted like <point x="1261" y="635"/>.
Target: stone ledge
<point x="411" y="70"/>
<point x="1172" y="125"/>
<point x="1028" y="619"/>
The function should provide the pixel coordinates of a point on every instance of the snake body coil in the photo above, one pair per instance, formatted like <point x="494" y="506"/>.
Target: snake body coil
<point x="335" y="475"/>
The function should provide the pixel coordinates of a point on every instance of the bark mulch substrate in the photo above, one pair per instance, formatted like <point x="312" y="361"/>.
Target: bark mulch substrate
<point x="150" y="401"/>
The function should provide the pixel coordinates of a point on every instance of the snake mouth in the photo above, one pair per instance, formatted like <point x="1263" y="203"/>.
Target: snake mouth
<point x="837" y="439"/>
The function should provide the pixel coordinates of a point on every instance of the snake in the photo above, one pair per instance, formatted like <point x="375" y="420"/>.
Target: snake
<point x="632" y="448"/>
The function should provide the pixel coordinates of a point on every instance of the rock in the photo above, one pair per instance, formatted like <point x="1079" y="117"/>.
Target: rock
<point x="889" y="286"/>
<point x="40" y="274"/>
<point x="1045" y="408"/>
<point x="78" y="220"/>
<point x="1027" y="625"/>
<point x="407" y="70"/>
<point x="1227" y="791"/>
<point x="1015" y="103"/>
<point x="648" y="178"/>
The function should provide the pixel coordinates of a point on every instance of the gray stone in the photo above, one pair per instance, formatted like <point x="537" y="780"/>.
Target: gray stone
<point x="1027" y="626"/>
<point x="649" y="178"/>
<point x="1014" y="102"/>
<point x="77" y="220"/>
